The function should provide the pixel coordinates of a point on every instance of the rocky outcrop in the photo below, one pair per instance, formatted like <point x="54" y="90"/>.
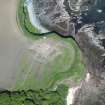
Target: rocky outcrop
<point x="64" y="16"/>
<point x="84" y="20"/>
<point x="53" y="15"/>
<point x="92" y="92"/>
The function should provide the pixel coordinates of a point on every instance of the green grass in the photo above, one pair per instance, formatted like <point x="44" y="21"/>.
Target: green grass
<point x="45" y="75"/>
<point x="76" y="70"/>
<point x="27" y="23"/>
<point x="68" y="65"/>
<point x="32" y="97"/>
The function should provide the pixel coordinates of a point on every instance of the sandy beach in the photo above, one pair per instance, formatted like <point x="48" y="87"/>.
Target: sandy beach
<point x="12" y="43"/>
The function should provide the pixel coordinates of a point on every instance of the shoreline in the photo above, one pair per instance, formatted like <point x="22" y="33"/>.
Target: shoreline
<point x="33" y="19"/>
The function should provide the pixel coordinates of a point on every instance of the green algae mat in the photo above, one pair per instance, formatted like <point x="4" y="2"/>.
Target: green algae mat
<point x="30" y="97"/>
<point x="50" y="60"/>
<point x="47" y="62"/>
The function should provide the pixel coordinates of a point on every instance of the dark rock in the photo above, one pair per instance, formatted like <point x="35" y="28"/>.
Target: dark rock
<point x="58" y="15"/>
<point x="90" y="42"/>
<point x="52" y="15"/>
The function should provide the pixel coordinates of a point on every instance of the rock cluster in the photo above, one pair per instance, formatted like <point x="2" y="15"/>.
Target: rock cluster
<point x="85" y="21"/>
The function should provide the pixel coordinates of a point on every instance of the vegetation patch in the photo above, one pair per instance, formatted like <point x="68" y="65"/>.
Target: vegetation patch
<point x="49" y="61"/>
<point x="32" y="97"/>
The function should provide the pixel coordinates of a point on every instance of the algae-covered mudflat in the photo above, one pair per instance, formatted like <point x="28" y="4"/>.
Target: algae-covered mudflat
<point x="50" y="59"/>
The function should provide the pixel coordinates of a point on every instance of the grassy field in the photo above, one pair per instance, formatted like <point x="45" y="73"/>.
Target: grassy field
<point x="31" y="97"/>
<point x="38" y="70"/>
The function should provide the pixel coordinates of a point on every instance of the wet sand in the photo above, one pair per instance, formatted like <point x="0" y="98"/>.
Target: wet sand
<point x="12" y="43"/>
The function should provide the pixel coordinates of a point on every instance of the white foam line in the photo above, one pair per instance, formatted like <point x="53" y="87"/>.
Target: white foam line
<point x="33" y="19"/>
<point x="72" y="91"/>
<point x="87" y="77"/>
<point x="71" y="94"/>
